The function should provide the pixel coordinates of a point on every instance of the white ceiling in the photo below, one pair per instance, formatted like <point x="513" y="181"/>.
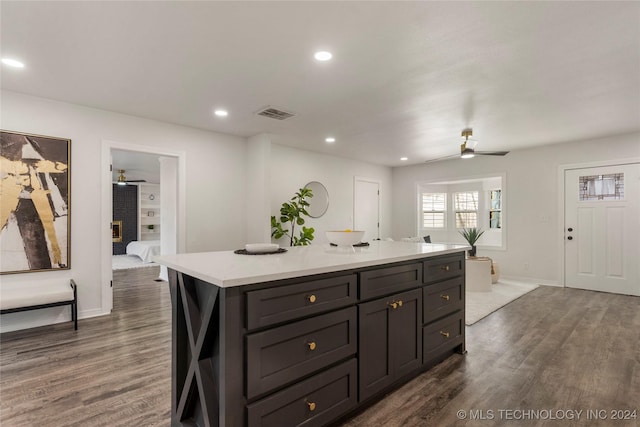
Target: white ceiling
<point x="136" y="166"/>
<point x="405" y="79"/>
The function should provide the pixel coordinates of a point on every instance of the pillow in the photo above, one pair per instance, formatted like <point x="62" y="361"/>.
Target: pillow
<point x="427" y="239"/>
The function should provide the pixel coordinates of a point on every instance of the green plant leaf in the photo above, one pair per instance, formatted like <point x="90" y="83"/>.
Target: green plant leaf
<point x="292" y="212"/>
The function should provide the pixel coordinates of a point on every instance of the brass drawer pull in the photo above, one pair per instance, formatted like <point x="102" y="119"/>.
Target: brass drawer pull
<point x="445" y="267"/>
<point x="312" y="345"/>
<point x="444" y="334"/>
<point x="312" y="406"/>
<point x="311" y="298"/>
<point x="395" y="304"/>
<point x="445" y="297"/>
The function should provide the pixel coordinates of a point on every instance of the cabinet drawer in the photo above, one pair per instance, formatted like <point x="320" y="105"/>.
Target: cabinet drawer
<point x="387" y="281"/>
<point x="441" y="299"/>
<point x="312" y="402"/>
<point x="280" y="304"/>
<point x="442" y="336"/>
<point x="442" y="268"/>
<point x="284" y="354"/>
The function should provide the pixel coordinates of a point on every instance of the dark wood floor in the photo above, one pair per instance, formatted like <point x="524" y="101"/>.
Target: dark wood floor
<point x="553" y="349"/>
<point x="113" y="371"/>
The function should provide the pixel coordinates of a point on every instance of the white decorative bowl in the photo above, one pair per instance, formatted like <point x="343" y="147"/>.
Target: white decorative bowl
<point x="344" y="238"/>
<point x="261" y="248"/>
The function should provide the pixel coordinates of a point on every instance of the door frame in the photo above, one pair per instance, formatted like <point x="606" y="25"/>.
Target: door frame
<point x="561" y="203"/>
<point x="107" y="208"/>
<point x="357" y="179"/>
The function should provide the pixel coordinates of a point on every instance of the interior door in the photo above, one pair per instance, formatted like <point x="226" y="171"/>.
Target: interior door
<point x="367" y="208"/>
<point x="602" y="227"/>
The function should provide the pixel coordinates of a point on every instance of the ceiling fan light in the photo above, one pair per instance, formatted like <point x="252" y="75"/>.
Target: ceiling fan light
<point x="467" y="153"/>
<point x="122" y="180"/>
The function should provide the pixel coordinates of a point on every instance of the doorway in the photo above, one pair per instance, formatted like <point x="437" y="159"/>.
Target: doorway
<point x="366" y="207"/>
<point x="172" y="187"/>
<point x="601" y="228"/>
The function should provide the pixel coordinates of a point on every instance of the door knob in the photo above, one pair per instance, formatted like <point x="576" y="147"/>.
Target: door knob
<point x="570" y="238"/>
<point x="569" y="229"/>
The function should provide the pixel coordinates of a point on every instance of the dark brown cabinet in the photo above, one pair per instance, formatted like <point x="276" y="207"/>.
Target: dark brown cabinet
<point x="390" y="340"/>
<point x="443" y="302"/>
<point x="284" y="354"/>
<point x="312" y="402"/>
<point x="306" y="351"/>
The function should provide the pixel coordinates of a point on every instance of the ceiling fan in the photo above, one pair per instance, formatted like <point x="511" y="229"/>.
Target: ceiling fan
<point x="122" y="180"/>
<point x="467" y="152"/>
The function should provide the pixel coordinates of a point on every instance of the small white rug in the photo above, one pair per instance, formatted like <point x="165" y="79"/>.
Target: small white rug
<point x="123" y="262"/>
<point x="481" y="304"/>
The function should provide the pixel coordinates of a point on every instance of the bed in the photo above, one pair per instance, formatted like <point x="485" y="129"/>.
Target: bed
<point x="145" y="250"/>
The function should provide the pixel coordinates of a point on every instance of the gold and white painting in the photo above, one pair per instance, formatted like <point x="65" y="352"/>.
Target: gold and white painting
<point x="34" y="202"/>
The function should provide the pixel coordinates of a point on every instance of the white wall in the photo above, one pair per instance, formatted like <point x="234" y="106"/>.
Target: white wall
<point x="292" y="169"/>
<point x="215" y="178"/>
<point x="258" y="189"/>
<point x="531" y="198"/>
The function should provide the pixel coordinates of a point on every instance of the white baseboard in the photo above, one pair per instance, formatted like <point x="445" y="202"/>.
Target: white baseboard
<point x="532" y="281"/>
<point x="46" y="316"/>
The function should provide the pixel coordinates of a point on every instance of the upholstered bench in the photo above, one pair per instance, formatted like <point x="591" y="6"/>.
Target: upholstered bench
<point x="51" y="295"/>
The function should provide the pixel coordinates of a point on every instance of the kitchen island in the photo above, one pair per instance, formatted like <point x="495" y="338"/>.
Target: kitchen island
<point x="309" y="335"/>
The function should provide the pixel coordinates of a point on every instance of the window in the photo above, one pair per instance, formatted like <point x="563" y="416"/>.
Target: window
<point x="434" y="208"/>
<point x="495" y="210"/>
<point x="466" y="208"/>
<point x="602" y="187"/>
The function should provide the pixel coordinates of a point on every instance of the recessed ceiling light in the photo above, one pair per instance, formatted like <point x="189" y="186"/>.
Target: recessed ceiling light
<point x="330" y="140"/>
<point x="221" y="113"/>
<point x="323" y="55"/>
<point x="12" y="62"/>
<point x="404" y="158"/>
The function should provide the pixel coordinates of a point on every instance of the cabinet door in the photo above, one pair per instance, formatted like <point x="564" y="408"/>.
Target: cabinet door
<point x="390" y="340"/>
<point x="375" y="372"/>
<point x="406" y="333"/>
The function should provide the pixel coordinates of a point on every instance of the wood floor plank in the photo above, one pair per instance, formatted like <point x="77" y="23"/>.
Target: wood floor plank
<point x="114" y="371"/>
<point x="552" y="349"/>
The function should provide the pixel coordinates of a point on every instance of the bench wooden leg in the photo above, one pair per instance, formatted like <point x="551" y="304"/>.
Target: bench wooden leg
<point x="74" y="305"/>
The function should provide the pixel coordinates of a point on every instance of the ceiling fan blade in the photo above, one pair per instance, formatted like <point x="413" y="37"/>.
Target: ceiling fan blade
<point x="443" y="158"/>
<point x="492" y="153"/>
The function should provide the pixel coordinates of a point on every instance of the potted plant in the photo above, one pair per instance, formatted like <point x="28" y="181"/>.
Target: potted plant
<point x="293" y="212"/>
<point x="471" y="235"/>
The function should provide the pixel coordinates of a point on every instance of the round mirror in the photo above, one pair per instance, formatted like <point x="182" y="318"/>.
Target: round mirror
<point x="319" y="203"/>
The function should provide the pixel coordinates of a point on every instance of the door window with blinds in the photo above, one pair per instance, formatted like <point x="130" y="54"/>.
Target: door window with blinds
<point x="434" y="210"/>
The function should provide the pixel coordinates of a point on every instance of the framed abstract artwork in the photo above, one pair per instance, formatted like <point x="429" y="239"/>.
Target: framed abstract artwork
<point x="35" y="193"/>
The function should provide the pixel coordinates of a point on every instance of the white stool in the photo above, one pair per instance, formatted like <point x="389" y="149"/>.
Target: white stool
<point x="478" y="274"/>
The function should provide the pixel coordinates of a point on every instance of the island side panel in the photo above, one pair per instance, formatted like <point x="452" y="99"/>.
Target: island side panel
<point x="207" y="356"/>
<point x="179" y="346"/>
<point x="231" y="364"/>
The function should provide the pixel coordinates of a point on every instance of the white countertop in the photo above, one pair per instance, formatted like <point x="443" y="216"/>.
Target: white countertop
<point x="226" y="269"/>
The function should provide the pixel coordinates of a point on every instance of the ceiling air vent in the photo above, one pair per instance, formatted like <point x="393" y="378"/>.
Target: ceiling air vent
<point x="275" y="113"/>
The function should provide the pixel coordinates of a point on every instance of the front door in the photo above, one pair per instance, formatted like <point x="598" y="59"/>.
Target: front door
<point x="602" y="228"/>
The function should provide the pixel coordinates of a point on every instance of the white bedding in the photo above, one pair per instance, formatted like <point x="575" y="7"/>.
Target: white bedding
<point x="145" y="249"/>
